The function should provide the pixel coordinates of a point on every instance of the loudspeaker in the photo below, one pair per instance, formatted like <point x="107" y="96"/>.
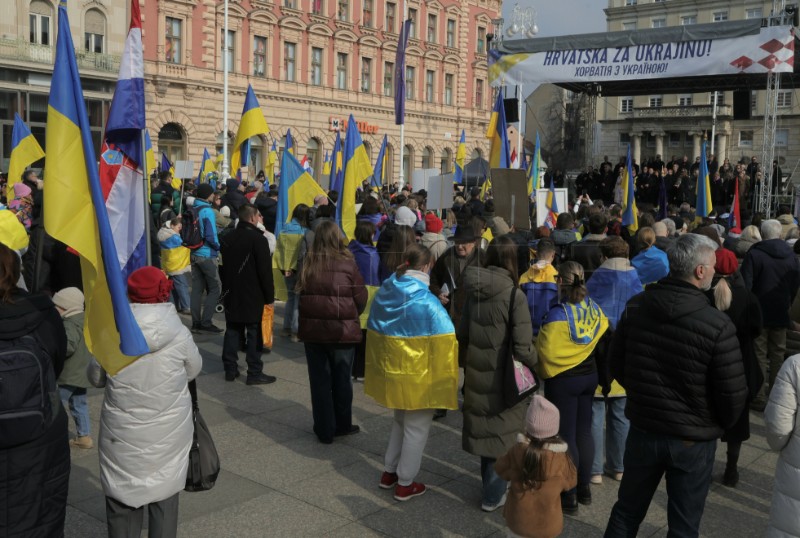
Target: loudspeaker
<point x="741" y="105"/>
<point x="511" y="107"/>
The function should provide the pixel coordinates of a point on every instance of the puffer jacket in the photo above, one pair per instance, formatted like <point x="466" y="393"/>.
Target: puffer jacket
<point x="146" y="420"/>
<point x="449" y="269"/>
<point x="783" y="435"/>
<point x="787" y="223"/>
<point x="741" y="247"/>
<point x="490" y="428"/>
<point x="330" y="305"/>
<point x="78" y="356"/>
<point x="679" y="361"/>
<point x="771" y="271"/>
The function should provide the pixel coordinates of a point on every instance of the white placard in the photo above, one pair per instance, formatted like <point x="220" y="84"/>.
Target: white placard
<point x="184" y="169"/>
<point x="541" y="204"/>
<point x="420" y="178"/>
<point x="440" y="192"/>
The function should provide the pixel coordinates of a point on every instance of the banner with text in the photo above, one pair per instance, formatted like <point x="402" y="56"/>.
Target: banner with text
<point x="770" y="50"/>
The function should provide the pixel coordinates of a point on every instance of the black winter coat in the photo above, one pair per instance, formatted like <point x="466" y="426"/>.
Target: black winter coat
<point x="587" y="253"/>
<point x="771" y="271"/>
<point x="234" y="199"/>
<point x="679" y="361"/>
<point x="246" y="274"/>
<point x="34" y="477"/>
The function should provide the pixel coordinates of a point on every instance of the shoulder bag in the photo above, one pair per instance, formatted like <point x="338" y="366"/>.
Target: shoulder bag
<point x="518" y="380"/>
<point x="203" y="457"/>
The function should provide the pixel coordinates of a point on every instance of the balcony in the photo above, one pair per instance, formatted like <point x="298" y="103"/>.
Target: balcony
<point x="693" y="111"/>
<point x="22" y="51"/>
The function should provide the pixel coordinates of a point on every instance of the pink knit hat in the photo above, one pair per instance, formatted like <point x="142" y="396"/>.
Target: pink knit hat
<point x="542" y="418"/>
<point x="21" y="190"/>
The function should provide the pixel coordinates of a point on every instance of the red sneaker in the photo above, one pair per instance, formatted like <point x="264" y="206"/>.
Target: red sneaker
<point x="388" y="480"/>
<point x="404" y="493"/>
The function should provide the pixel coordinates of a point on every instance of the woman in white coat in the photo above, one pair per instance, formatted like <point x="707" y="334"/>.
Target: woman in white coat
<point x="783" y="435"/>
<point x="146" y="425"/>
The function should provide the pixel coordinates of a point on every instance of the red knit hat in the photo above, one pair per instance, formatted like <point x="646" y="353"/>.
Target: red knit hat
<point x="433" y="223"/>
<point x="149" y="285"/>
<point x="727" y="264"/>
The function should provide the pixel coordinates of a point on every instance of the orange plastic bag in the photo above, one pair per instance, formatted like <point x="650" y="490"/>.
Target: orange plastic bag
<point x="266" y="325"/>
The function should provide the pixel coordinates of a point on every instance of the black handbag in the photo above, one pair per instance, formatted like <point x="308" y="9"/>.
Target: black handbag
<point x="519" y="382"/>
<point x="203" y="457"/>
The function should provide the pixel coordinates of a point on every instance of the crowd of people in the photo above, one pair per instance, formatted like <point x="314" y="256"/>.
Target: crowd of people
<point x="650" y="344"/>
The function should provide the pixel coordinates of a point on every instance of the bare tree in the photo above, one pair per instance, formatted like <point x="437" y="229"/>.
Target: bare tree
<point x="564" y="139"/>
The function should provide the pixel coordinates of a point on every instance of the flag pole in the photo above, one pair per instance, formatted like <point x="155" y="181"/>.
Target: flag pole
<point x="225" y="166"/>
<point x="403" y="125"/>
<point x="146" y="189"/>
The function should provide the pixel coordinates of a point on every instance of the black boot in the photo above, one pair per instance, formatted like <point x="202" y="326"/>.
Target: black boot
<point x="584" y="495"/>
<point x="569" y="502"/>
<point x="731" y="476"/>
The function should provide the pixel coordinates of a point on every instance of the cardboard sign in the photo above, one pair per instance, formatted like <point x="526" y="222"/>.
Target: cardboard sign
<point x="184" y="169"/>
<point x="510" y="193"/>
<point x="420" y="178"/>
<point x="440" y="192"/>
<point x="541" y="204"/>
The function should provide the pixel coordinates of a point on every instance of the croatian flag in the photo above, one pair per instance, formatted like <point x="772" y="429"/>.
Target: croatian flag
<point x="121" y="158"/>
<point x="306" y="164"/>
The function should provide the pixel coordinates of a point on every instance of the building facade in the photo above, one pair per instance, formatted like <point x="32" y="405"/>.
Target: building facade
<point x="676" y="124"/>
<point x="312" y="63"/>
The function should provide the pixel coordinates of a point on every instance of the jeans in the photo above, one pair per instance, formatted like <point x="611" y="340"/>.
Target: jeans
<point x="573" y="396"/>
<point x="648" y="456"/>
<point x="329" y="367"/>
<point x="770" y="347"/>
<point x="494" y="487"/>
<point x="613" y="414"/>
<point x="180" y="291"/>
<point x="126" y="522"/>
<point x="205" y="277"/>
<point x="406" y="443"/>
<point x="74" y="399"/>
<point x="234" y="332"/>
<point x="290" y="315"/>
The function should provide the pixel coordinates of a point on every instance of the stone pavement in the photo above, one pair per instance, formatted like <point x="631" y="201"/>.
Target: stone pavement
<point x="278" y="480"/>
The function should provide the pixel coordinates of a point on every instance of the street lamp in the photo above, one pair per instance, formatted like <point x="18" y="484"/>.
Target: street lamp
<point x="523" y="22"/>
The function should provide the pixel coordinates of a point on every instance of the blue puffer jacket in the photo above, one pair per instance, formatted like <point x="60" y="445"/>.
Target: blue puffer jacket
<point x="208" y="229"/>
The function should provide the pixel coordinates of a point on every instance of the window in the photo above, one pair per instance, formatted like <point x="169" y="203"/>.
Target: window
<point x="753" y="99"/>
<point x="388" y="79"/>
<point x="317" y="7"/>
<point x="227" y="51"/>
<point x="624" y="139"/>
<point x="344" y="10"/>
<point x="746" y="139"/>
<point x="429" y="78"/>
<point x="412" y="28"/>
<point x="410" y="71"/>
<point x="39" y="19"/>
<point x="451" y="33"/>
<point x="366" y="75"/>
<point x="289" y="50"/>
<point x="686" y="20"/>
<point x="753" y="13"/>
<point x="674" y="140"/>
<point x="427" y="158"/>
<point x="173" y="40"/>
<point x="628" y="26"/>
<point x="784" y="98"/>
<point x="630" y="2"/>
<point x="685" y="100"/>
<point x="481" y="44"/>
<point x="448" y="89"/>
<point x="626" y="104"/>
<point x="366" y="17"/>
<point x="259" y="56"/>
<point x="446" y="161"/>
<point x="719" y="16"/>
<point x="658" y="23"/>
<point x="432" y="28"/>
<point x="656" y="101"/>
<point x="720" y="98"/>
<point x="650" y="141"/>
<point x="94" y="32"/>
<point x="316" y="66"/>
<point x="391" y="10"/>
<point x="781" y="137"/>
<point x="341" y="70"/>
<point x="479" y="94"/>
<point x="290" y="4"/>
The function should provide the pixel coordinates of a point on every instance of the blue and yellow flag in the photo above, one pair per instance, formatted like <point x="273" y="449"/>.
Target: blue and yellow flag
<point x="357" y="168"/>
<point x="289" y="142"/>
<point x="296" y="187"/>
<point x="25" y="151"/>
<point x="206" y="167"/>
<point x="485" y="188"/>
<point x="533" y="168"/>
<point x="412" y="353"/>
<point x="253" y="124"/>
<point x="461" y="157"/>
<point x="630" y="215"/>
<point x="552" y="206"/>
<point x="336" y="176"/>
<point x="704" y="206"/>
<point x="379" y="174"/>
<point x="75" y="213"/>
<point x="149" y="154"/>
<point x="326" y="165"/>
<point x="272" y="160"/>
<point x="497" y="132"/>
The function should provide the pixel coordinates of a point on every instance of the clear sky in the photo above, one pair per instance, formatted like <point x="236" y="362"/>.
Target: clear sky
<point x="562" y="17"/>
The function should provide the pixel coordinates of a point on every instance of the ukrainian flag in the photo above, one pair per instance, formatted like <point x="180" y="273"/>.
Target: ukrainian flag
<point x="357" y="168"/>
<point x="336" y="176"/>
<point x="379" y="174"/>
<point x="296" y="187"/>
<point x="12" y="233"/>
<point x="289" y="142"/>
<point x="630" y="215"/>
<point x="533" y="170"/>
<point x="75" y="213"/>
<point x="272" y="159"/>
<point x="552" y="207"/>
<point x="326" y="165"/>
<point x="704" y="206"/>
<point x="498" y="133"/>
<point x="25" y="151"/>
<point x="206" y="167"/>
<point x="461" y="157"/>
<point x="252" y="124"/>
<point x="168" y="166"/>
<point x="412" y="353"/>
<point x="149" y="154"/>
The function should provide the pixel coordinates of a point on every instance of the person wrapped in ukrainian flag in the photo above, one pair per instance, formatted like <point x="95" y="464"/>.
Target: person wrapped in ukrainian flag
<point x="411" y="366"/>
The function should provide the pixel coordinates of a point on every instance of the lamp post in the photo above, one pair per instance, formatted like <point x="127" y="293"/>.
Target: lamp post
<point x="225" y="67"/>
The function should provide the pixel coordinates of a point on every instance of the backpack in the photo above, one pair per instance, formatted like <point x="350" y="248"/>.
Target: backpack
<point x="28" y="392"/>
<point x="190" y="233"/>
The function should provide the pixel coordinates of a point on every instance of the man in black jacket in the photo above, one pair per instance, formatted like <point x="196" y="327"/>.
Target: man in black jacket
<point x="247" y="286"/>
<point x="679" y="360"/>
<point x="587" y="251"/>
<point x="770" y="270"/>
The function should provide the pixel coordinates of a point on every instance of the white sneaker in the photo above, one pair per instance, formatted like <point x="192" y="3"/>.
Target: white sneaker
<point x="596" y="479"/>
<point x="493" y="507"/>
